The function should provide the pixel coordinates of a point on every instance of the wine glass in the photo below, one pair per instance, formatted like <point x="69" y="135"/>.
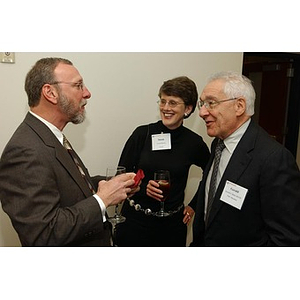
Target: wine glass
<point x="162" y="177"/>
<point x="110" y="173"/>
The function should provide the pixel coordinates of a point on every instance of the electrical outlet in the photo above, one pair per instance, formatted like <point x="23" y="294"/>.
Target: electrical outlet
<point x="7" y="57"/>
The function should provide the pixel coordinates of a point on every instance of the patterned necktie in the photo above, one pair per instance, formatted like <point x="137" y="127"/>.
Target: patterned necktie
<point x="70" y="150"/>
<point x="213" y="181"/>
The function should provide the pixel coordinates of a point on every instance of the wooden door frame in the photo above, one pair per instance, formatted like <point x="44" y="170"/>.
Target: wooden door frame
<point x="293" y="109"/>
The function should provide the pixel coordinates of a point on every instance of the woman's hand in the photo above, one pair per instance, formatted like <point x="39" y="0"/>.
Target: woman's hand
<point x="188" y="214"/>
<point x="153" y="190"/>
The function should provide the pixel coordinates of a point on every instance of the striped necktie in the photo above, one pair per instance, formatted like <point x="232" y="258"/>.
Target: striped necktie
<point x="70" y="150"/>
<point x="213" y="181"/>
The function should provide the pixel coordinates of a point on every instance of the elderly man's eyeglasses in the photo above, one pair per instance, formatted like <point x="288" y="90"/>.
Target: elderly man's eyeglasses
<point x="211" y="104"/>
<point x="79" y="85"/>
<point x="171" y="103"/>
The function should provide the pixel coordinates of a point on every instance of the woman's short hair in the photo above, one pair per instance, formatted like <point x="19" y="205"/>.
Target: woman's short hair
<point x="181" y="87"/>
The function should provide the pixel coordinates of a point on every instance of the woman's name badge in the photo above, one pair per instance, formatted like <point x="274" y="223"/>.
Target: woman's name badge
<point x="234" y="194"/>
<point x="161" y="141"/>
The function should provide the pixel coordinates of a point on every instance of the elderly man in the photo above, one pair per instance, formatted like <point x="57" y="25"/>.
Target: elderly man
<point x="250" y="192"/>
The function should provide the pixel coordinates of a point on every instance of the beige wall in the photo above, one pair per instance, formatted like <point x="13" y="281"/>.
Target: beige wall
<point x="124" y="89"/>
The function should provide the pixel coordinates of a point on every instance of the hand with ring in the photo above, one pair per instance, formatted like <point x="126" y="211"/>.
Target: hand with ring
<point x="188" y="214"/>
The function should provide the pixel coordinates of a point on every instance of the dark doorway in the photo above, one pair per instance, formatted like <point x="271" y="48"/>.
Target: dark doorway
<point x="276" y="79"/>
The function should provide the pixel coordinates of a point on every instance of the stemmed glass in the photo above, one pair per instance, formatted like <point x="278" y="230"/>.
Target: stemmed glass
<point x="110" y="173"/>
<point x="162" y="177"/>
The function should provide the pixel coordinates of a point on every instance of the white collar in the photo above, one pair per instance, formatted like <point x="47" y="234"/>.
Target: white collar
<point x="53" y="128"/>
<point x="232" y="141"/>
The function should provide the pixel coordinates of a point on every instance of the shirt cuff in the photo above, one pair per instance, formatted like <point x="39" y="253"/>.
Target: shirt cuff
<point x="102" y="206"/>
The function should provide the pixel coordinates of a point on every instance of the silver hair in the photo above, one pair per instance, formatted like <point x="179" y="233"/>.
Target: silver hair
<point x="237" y="85"/>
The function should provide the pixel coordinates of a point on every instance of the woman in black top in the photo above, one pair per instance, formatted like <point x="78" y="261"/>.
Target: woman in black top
<point x="168" y="145"/>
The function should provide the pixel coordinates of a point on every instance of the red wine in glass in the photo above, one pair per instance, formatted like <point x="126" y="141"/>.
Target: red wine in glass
<point x="164" y="185"/>
<point x="162" y="177"/>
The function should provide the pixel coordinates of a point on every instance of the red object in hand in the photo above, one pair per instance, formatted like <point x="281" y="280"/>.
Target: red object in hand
<point x="138" y="177"/>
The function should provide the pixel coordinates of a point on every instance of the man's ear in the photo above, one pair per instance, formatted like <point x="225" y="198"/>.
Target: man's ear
<point x="50" y="93"/>
<point x="240" y="106"/>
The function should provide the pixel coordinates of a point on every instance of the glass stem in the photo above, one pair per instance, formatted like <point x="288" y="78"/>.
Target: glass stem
<point x="162" y="206"/>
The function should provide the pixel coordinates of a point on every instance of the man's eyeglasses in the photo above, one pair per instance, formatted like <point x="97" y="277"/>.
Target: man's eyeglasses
<point x="79" y="85"/>
<point x="211" y="104"/>
<point x="171" y="103"/>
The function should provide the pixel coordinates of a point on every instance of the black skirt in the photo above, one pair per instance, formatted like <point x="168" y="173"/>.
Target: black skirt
<point x="141" y="230"/>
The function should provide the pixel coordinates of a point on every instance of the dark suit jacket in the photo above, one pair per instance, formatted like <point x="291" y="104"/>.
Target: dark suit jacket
<point x="43" y="193"/>
<point x="270" y="214"/>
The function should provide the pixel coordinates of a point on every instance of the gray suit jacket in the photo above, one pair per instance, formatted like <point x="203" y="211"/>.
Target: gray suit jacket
<point x="43" y="193"/>
<point x="270" y="214"/>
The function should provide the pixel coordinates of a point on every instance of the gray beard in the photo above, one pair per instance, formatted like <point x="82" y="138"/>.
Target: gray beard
<point x="76" y="117"/>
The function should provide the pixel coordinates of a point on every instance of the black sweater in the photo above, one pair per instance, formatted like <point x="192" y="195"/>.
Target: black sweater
<point x="187" y="148"/>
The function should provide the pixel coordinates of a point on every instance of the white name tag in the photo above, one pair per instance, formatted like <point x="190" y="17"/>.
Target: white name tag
<point x="161" y="141"/>
<point x="234" y="194"/>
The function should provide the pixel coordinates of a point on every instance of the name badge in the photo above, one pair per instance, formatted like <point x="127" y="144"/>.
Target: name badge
<point x="234" y="194"/>
<point x="161" y="141"/>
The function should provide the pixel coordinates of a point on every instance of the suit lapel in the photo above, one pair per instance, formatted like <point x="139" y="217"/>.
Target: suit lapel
<point x="237" y="165"/>
<point x="65" y="159"/>
<point x="210" y="161"/>
<point x="201" y="190"/>
<point x="61" y="154"/>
